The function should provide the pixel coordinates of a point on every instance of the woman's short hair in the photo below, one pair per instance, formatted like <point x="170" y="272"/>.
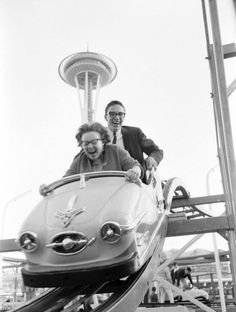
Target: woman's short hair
<point x="96" y="127"/>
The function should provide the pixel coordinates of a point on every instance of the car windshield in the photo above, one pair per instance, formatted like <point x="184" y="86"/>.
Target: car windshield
<point x="82" y="178"/>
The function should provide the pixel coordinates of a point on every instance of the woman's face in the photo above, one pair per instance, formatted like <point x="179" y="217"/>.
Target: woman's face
<point x="92" y="144"/>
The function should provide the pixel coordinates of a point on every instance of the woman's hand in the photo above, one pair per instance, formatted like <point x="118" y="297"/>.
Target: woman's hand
<point x="133" y="174"/>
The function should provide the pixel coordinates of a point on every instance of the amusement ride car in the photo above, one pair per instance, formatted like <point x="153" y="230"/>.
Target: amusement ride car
<point x="91" y="227"/>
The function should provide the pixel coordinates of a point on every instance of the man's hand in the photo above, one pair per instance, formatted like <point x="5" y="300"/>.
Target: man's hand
<point x="150" y="162"/>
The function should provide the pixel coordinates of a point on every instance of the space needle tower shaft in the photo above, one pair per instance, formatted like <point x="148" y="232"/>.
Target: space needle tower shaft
<point x="87" y="72"/>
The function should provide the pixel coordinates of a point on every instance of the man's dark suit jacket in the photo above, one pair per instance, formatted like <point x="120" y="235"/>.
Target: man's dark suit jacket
<point x="136" y="143"/>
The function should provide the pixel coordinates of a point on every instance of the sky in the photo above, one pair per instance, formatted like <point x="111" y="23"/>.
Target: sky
<point x="163" y="80"/>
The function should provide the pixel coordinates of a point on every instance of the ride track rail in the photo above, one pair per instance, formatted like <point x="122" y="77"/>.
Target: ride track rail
<point x="128" y="293"/>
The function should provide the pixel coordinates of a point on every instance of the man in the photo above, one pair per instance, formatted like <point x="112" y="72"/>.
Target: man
<point x="180" y="276"/>
<point x="131" y="138"/>
<point x="173" y="269"/>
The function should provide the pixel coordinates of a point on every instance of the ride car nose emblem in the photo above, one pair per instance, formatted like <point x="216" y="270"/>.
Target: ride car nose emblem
<point x="70" y="213"/>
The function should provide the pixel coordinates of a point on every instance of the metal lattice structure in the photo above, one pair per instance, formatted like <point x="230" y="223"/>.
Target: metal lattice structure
<point x="217" y="52"/>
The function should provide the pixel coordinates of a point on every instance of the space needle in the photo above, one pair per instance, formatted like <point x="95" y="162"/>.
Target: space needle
<point x="87" y="72"/>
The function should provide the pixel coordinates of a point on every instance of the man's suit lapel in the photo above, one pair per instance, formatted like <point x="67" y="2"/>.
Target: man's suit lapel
<point x="126" y="140"/>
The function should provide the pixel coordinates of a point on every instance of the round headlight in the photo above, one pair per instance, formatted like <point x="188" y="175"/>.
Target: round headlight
<point x="111" y="232"/>
<point x="28" y="241"/>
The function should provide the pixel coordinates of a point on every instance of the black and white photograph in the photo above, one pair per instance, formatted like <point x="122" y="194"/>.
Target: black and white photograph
<point x="118" y="170"/>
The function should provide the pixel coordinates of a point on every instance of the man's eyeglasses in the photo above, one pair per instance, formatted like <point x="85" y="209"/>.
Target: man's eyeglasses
<point x="114" y="114"/>
<point x="93" y="142"/>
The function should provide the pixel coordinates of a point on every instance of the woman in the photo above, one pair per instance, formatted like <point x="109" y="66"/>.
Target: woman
<point x="98" y="155"/>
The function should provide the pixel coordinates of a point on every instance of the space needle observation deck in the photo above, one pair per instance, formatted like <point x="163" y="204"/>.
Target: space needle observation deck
<point x="87" y="72"/>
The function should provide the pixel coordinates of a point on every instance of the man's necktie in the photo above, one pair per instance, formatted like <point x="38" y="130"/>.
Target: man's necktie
<point x="114" y="138"/>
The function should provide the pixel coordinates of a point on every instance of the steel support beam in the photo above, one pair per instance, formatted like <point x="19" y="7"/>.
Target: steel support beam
<point x="194" y="201"/>
<point x="229" y="50"/>
<point x="223" y="127"/>
<point x="7" y="245"/>
<point x="184" y="294"/>
<point x="216" y="54"/>
<point x="198" y="226"/>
